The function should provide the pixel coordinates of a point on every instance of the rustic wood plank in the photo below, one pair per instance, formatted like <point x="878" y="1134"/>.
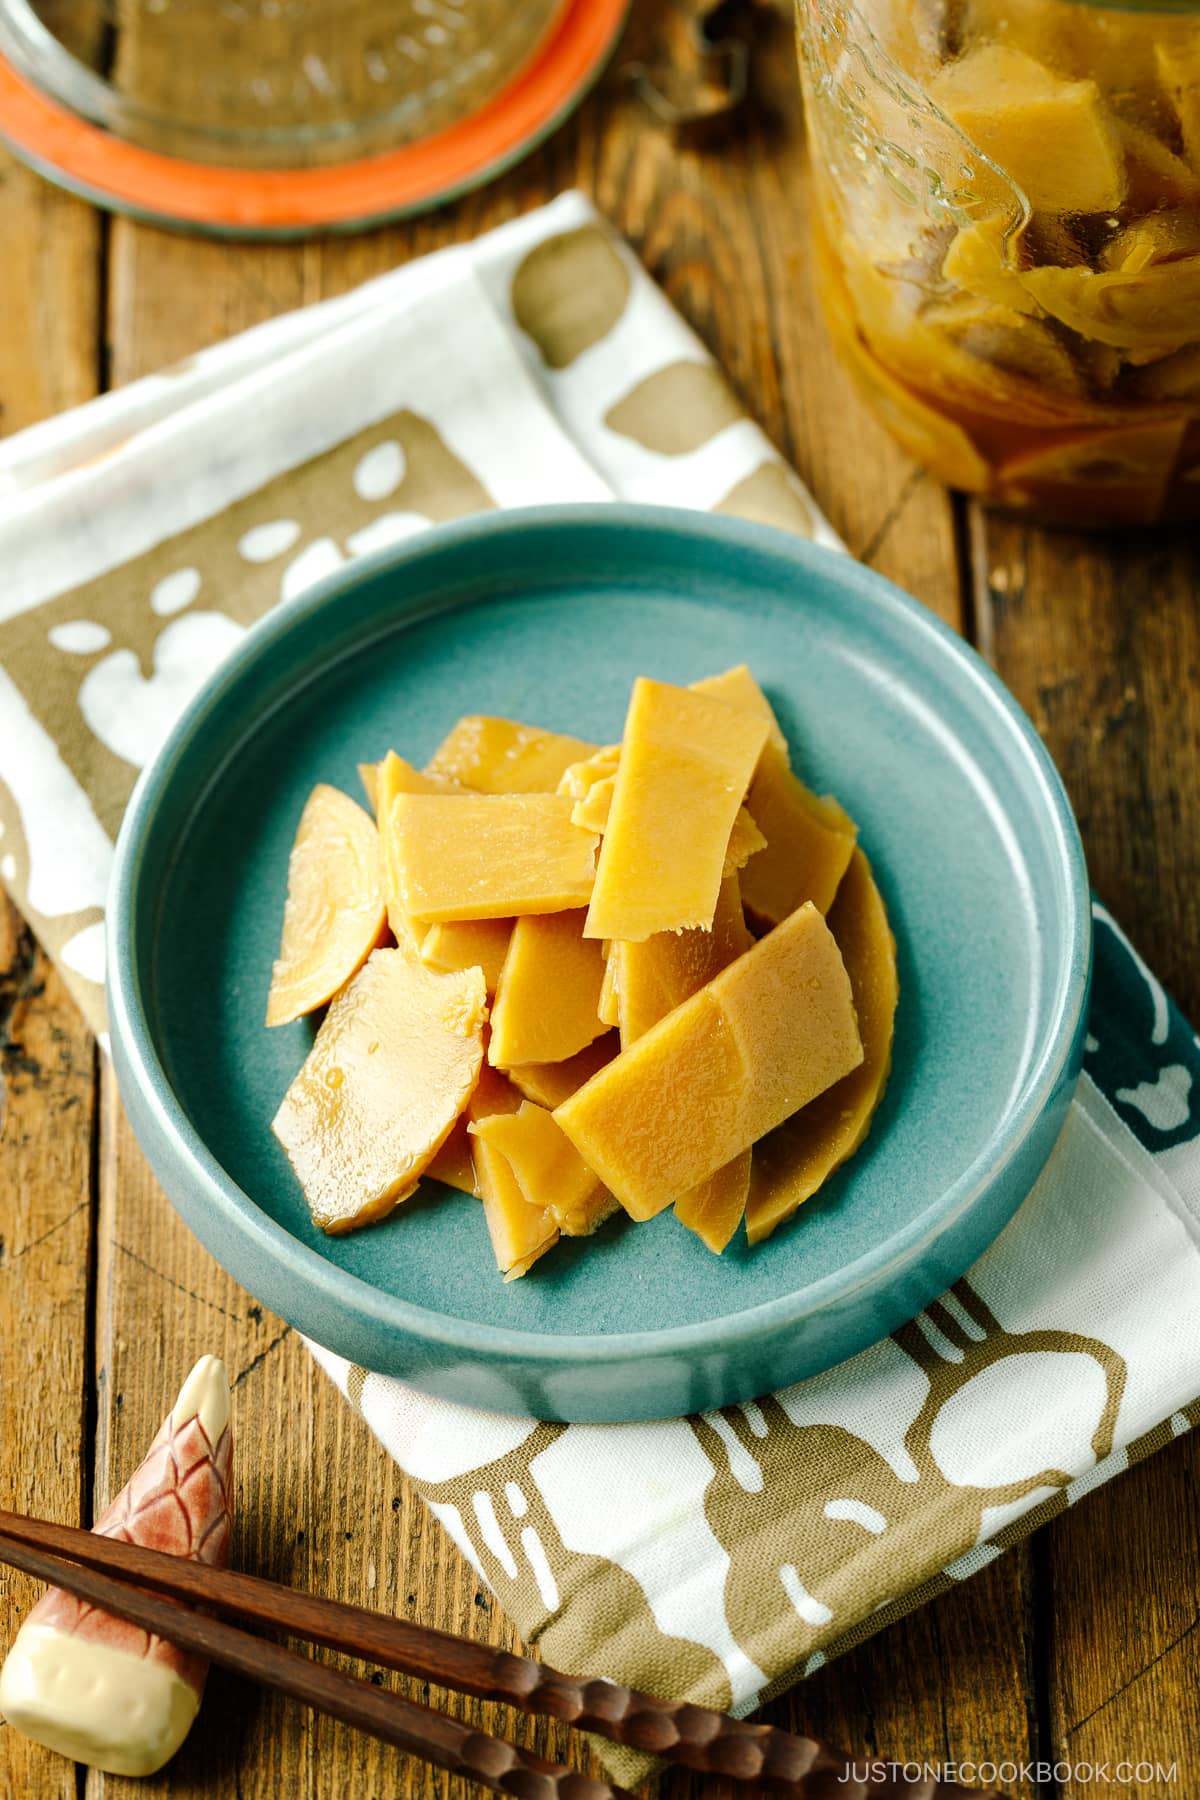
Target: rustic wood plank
<point x="49" y="298"/>
<point x="49" y="316"/>
<point x="1100" y="640"/>
<point x="47" y="1097"/>
<point x="169" y="296"/>
<point x="1124" y="1588"/>
<point x="161" y="1303"/>
<point x="951" y="1683"/>
<point x="725" y="233"/>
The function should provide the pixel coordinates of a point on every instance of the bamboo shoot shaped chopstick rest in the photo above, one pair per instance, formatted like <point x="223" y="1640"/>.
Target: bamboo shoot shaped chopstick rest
<point x="97" y="1687"/>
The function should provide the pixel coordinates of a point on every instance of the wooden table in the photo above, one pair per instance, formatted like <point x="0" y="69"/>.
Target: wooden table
<point x="1083" y="1646"/>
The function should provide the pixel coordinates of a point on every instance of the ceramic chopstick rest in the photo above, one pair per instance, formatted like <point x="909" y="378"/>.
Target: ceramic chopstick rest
<point x="96" y="1688"/>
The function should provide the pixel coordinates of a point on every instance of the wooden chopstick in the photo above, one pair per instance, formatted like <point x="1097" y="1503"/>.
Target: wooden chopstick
<point x="697" y="1737"/>
<point x="421" y="1731"/>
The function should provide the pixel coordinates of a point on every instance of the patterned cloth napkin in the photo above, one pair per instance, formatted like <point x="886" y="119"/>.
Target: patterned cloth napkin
<point x="722" y="1556"/>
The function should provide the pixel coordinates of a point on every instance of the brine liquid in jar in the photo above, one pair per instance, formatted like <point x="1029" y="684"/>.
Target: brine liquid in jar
<point x="1008" y="242"/>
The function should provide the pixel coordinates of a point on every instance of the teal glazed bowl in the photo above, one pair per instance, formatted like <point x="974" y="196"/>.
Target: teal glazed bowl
<point x="548" y="616"/>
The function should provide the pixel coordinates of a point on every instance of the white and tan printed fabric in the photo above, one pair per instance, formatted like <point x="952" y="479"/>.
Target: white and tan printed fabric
<point x="718" y="1557"/>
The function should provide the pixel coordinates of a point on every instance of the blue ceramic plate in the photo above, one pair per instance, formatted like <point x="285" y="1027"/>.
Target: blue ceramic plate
<point x="548" y="616"/>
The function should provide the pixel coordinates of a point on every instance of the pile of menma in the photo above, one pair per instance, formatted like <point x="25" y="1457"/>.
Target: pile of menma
<point x="570" y="979"/>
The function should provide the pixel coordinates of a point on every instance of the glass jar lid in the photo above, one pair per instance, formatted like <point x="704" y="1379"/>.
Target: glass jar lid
<point x="282" y="116"/>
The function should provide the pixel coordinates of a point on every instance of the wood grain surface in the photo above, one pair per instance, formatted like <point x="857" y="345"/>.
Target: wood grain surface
<point x="1085" y="1644"/>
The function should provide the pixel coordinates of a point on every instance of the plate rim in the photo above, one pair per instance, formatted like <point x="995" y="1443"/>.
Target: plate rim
<point x="157" y="1109"/>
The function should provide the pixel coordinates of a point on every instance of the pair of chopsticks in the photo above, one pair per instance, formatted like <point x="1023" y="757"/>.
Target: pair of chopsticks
<point x="115" y="1576"/>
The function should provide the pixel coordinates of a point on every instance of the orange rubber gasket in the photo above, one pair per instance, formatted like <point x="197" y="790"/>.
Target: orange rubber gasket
<point x="209" y="197"/>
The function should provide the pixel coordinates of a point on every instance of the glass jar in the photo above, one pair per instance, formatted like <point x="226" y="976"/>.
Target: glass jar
<point x="1008" y="235"/>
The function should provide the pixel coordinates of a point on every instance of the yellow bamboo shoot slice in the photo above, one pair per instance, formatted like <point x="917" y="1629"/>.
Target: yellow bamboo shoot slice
<point x="468" y="944"/>
<point x="1160" y="237"/>
<point x="810" y="841"/>
<point x="1113" y="48"/>
<point x="499" y="756"/>
<point x="797" y="861"/>
<point x="609" y="1006"/>
<point x="737" y="687"/>
<point x="383" y="781"/>
<point x="766" y="1036"/>
<point x="452" y="1164"/>
<point x="1176" y="377"/>
<point x="654" y="977"/>
<point x="1156" y="175"/>
<point x="550" y="1172"/>
<point x="334" y="912"/>
<point x="745" y="841"/>
<point x="402" y="778"/>
<point x="1179" y="72"/>
<point x="548" y="995"/>
<point x="389" y="1072"/>
<point x="489" y="856"/>
<point x="520" y="1233"/>
<point x="686" y="762"/>
<point x="1151" y="308"/>
<point x="793" y="1162"/>
<point x="1012" y="107"/>
<point x="591" y="814"/>
<point x="494" y="1093"/>
<point x="714" y="1209"/>
<point x="549" y="1084"/>
<point x="579" y="778"/>
<point x="978" y="262"/>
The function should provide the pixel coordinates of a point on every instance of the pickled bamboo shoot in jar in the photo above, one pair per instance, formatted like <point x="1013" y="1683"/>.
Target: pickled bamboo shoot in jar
<point x="1008" y="242"/>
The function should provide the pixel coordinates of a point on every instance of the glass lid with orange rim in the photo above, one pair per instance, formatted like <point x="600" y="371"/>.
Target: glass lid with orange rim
<point x="280" y="117"/>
